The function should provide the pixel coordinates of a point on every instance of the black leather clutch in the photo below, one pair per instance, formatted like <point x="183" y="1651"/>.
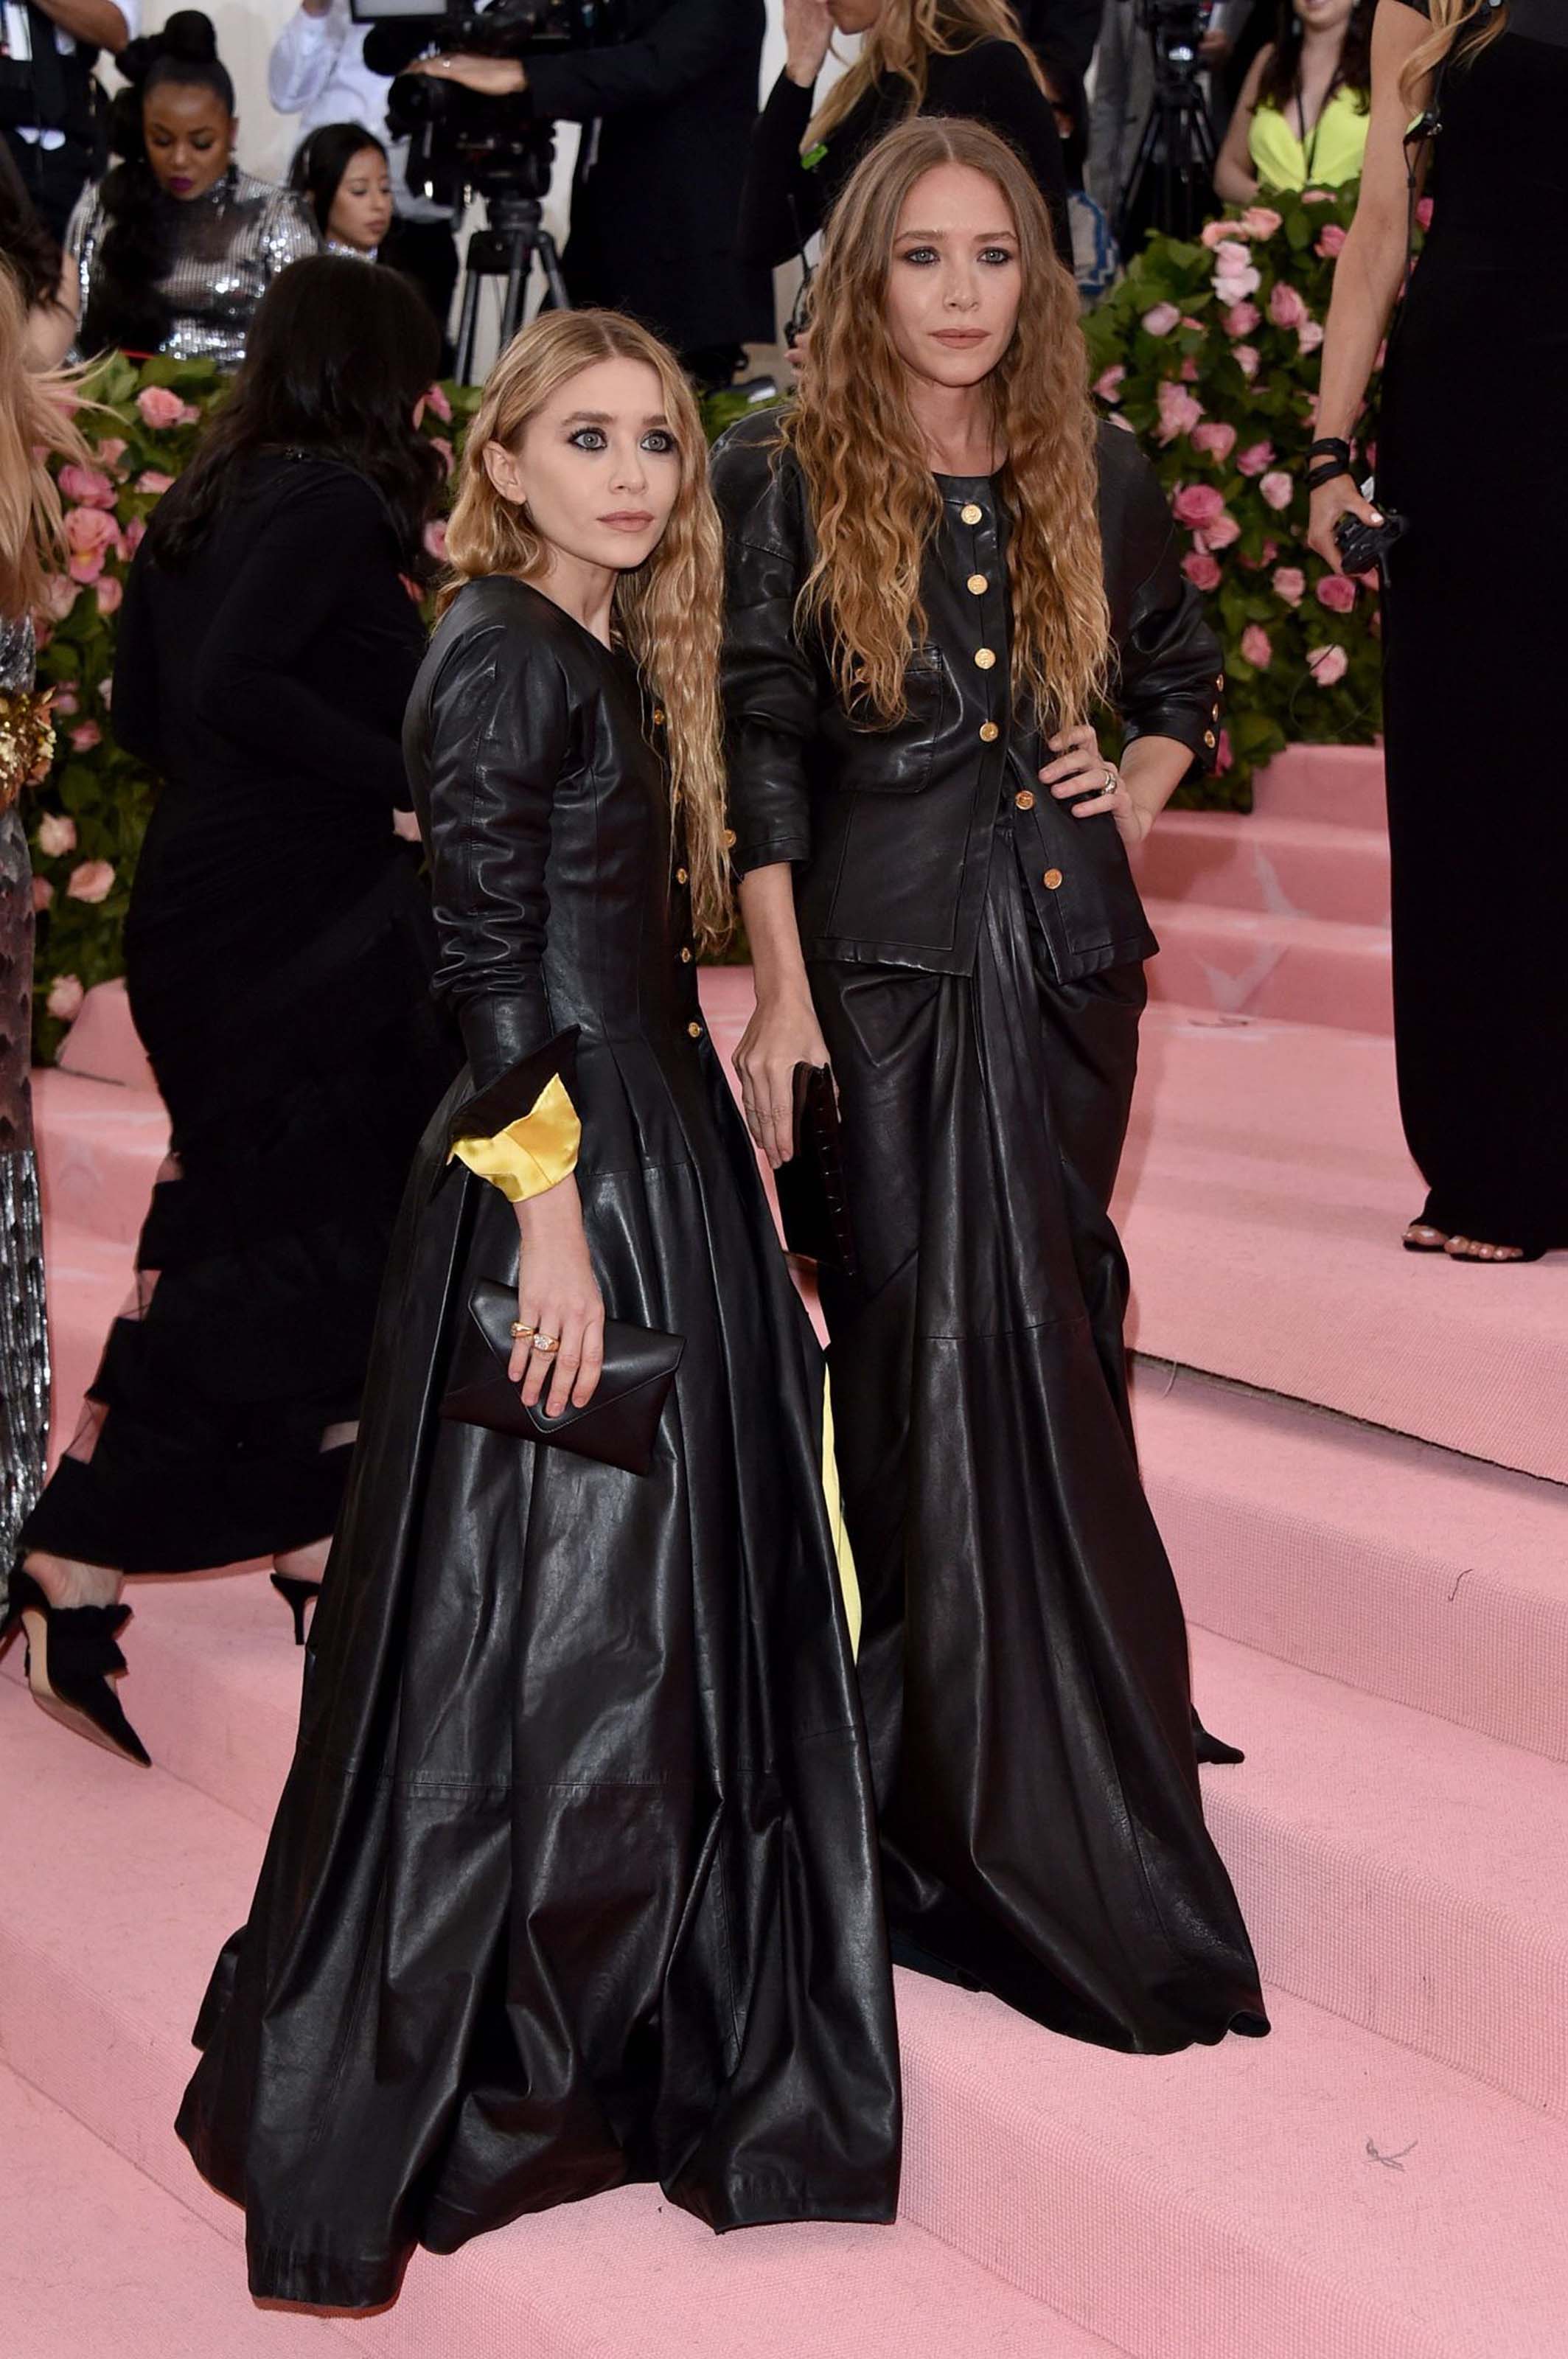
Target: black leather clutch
<point x="812" y="1203"/>
<point x="619" y="1423"/>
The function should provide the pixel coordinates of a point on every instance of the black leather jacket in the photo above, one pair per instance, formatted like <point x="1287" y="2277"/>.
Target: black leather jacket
<point x="891" y="830"/>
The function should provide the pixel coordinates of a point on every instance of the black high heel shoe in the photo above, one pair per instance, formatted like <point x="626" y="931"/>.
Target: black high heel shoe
<point x="296" y="1594"/>
<point x="71" y="1663"/>
<point x="1214" y="1749"/>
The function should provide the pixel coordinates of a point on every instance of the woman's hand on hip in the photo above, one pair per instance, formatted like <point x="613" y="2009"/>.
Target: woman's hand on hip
<point x="1079" y="766"/>
<point x="558" y="1301"/>
<point x="783" y="1033"/>
<point x="1337" y="498"/>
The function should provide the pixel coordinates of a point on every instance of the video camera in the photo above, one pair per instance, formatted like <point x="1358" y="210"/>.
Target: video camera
<point x="459" y="139"/>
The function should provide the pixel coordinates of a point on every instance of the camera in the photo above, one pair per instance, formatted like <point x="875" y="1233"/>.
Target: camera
<point x="459" y="139"/>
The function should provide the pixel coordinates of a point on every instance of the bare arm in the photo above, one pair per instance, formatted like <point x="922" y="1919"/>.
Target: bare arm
<point x="1235" y="179"/>
<point x="97" y="22"/>
<point x="1371" y="263"/>
<point x="783" y="1031"/>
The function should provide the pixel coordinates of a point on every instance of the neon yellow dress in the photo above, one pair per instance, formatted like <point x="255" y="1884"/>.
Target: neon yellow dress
<point x="1331" y="153"/>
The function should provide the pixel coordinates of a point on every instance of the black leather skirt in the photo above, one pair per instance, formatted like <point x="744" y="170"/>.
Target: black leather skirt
<point x="1024" y="1657"/>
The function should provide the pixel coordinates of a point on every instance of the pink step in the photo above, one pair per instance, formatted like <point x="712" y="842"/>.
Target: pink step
<point x="100" y="1148"/>
<point x="1277" y="867"/>
<point x="95" y="2259"/>
<point x="1419" y="1576"/>
<point x="89" y="1280"/>
<point x="1294" y="970"/>
<point x="102" y="1044"/>
<point x="1324" y="2191"/>
<point x="1341" y="786"/>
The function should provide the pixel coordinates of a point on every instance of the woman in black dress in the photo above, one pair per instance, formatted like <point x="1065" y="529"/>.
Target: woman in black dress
<point x="940" y="906"/>
<point x="1473" y="451"/>
<point x="916" y="57"/>
<point x="573" y="1881"/>
<point x="278" y="954"/>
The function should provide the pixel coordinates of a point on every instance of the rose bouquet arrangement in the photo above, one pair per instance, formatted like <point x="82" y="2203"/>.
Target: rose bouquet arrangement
<point x="1208" y="351"/>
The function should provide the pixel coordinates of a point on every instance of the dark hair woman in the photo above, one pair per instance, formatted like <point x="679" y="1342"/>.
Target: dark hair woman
<point x="340" y="169"/>
<point x="176" y="245"/>
<point x="916" y="57"/>
<point x="46" y="277"/>
<point x="938" y="569"/>
<point x="1302" y="119"/>
<point x="278" y="954"/>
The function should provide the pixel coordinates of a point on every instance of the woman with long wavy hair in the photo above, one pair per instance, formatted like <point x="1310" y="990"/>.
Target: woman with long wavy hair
<point x="938" y="567"/>
<point x="573" y="1881"/>
<point x="916" y="57"/>
<point x="1472" y="454"/>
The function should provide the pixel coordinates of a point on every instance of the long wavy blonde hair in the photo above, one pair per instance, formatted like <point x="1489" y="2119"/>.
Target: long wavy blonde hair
<point x="668" y="611"/>
<point x="873" y="501"/>
<point x="37" y="424"/>
<point x="904" y="39"/>
<point x="1451" y="22"/>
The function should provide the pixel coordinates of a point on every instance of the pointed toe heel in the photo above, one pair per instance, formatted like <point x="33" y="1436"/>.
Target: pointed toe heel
<point x="296" y="1594"/>
<point x="72" y="1662"/>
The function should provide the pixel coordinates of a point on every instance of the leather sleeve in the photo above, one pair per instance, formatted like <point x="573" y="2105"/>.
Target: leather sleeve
<point x="500" y="734"/>
<point x="768" y="681"/>
<point x="1168" y="665"/>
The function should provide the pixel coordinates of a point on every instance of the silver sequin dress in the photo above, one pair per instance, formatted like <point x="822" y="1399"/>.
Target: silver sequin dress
<point x="228" y="246"/>
<point x="24" y="1343"/>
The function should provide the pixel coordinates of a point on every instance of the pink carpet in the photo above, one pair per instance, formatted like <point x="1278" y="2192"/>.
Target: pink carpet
<point x="1357" y="1458"/>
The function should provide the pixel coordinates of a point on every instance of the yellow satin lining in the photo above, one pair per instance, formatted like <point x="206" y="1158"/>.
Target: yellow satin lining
<point x="849" y="1579"/>
<point x="532" y="1153"/>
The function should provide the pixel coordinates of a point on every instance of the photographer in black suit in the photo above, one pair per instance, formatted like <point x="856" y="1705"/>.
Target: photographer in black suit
<point x="51" y="109"/>
<point x="666" y="117"/>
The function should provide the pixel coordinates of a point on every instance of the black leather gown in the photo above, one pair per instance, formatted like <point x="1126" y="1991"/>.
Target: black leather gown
<point x="975" y="958"/>
<point x="574" y="1878"/>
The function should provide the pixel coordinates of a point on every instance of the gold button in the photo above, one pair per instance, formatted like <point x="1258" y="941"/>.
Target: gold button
<point x="658" y="716"/>
<point x="1208" y="736"/>
<point x="989" y="733"/>
<point x="1024" y="800"/>
<point x="681" y="877"/>
<point x="971" y="512"/>
<point x="1051" y="879"/>
<point x="685" y="958"/>
<point x="1219" y="679"/>
<point x="985" y="657"/>
<point x="978" y="583"/>
<point x="695" y="1030"/>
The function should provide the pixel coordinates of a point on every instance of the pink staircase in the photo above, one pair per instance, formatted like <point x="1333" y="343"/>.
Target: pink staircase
<point x="1358" y="1459"/>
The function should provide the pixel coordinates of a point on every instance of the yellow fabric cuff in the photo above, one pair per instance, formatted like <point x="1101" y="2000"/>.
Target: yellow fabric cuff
<point x="532" y="1153"/>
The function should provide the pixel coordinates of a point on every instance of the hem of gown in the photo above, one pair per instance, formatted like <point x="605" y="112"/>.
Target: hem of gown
<point x="1438" y="1213"/>
<point x="1241" y="2013"/>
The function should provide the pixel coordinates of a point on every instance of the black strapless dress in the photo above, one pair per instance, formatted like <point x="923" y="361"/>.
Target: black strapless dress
<point x="1474" y="451"/>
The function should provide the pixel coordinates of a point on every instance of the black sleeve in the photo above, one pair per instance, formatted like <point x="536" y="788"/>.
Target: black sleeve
<point x="993" y="83"/>
<point x="315" y="554"/>
<point x="679" y="49"/>
<point x="768" y="681"/>
<point x="781" y="205"/>
<point x="133" y="701"/>
<point x="1168" y="665"/>
<point x="500" y="734"/>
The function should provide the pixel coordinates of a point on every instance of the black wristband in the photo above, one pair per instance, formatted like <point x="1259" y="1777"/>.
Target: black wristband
<point x="1327" y="472"/>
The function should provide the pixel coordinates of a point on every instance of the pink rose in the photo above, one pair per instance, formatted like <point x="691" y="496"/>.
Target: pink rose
<point x="89" y="530"/>
<point x="65" y="998"/>
<point x="1179" y="410"/>
<point x="1257" y="647"/>
<point x="439" y="406"/>
<point x="1160" y="319"/>
<point x="1290" y="585"/>
<point x="88" y="486"/>
<point x="1256" y="460"/>
<point x="106" y="692"/>
<point x="65" y="704"/>
<point x="57" y="835"/>
<point x="1337" y="593"/>
<point x="1202" y="569"/>
<point x="1328" y="665"/>
<point x="189" y="414"/>
<point x="1287" y="307"/>
<point x="159" y="408"/>
<point x="84" y="736"/>
<point x="1423" y="212"/>
<point x="435" y="539"/>
<point x="1224" y="531"/>
<point x="1318" y="196"/>
<point x="60" y="595"/>
<point x="1245" y="359"/>
<point x="86" y="564"/>
<point x="93" y="880"/>
<point x="1261" y="221"/>
<point x="1233" y="287"/>
<point x="108" y="591"/>
<point x="1188" y="372"/>
<point x="1217" y="233"/>
<point x="439" y="442"/>
<point x="1241" y="319"/>
<point x="1215" y="438"/>
<point x="1270" y="551"/>
<point x="134" y="536"/>
<point x="1107" y="385"/>
<point x="1223" y="756"/>
<point x="1277" y="487"/>
<point x="150" y="479"/>
<point x="1330" y="240"/>
<point x="43" y="892"/>
<point x="1197" y="504"/>
<point x="112" y="449"/>
<point x="1310" y="335"/>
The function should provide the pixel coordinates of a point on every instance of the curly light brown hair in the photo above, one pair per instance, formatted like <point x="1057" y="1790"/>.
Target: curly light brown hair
<point x="37" y="424"/>
<point x="873" y="501"/>
<point x="668" y="611"/>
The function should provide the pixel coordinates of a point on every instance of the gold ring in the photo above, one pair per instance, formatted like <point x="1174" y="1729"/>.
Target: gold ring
<point x="1113" y="784"/>
<point x="521" y="1334"/>
<point x="547" y="1343"/>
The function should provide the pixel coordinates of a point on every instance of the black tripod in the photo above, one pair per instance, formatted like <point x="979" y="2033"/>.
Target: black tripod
<point x="1170" y="186"/>
<point x="513" y="234"/>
